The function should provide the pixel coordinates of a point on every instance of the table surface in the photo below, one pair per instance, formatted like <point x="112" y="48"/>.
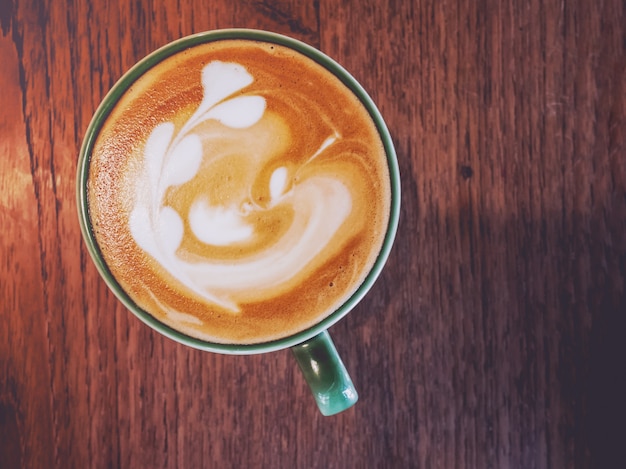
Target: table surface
<point x="495" y="335"/>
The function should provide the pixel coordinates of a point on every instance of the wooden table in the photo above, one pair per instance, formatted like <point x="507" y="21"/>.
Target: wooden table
<point x="495" y="336"/>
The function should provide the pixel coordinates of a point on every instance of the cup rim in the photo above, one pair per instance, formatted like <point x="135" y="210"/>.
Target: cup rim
<point x="108" y="103"/>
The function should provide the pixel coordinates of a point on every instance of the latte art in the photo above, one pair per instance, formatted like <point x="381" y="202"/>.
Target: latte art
<point x="320" y="204"/>
<point x="243" y="200"/>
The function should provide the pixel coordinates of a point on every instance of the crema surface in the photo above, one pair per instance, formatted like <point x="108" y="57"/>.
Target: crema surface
<point x="239" y="192"/>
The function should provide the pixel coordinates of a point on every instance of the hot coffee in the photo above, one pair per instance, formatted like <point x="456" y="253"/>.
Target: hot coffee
<point x="239" y="192"/>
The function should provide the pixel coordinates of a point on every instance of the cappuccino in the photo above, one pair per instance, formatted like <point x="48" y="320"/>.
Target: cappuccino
<point x="238" y="191"/>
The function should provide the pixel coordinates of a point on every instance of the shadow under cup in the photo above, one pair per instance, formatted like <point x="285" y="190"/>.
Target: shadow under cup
<point x="313" y="348"/>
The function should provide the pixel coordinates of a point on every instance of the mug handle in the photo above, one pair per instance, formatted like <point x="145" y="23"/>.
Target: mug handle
<point x="325" y="374"/>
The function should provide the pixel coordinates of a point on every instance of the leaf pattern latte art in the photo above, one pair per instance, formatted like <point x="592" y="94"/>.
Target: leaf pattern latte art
<point x="319" y="204"/>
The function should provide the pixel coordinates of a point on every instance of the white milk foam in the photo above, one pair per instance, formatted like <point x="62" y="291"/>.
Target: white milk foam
<point x="320" y="204"/>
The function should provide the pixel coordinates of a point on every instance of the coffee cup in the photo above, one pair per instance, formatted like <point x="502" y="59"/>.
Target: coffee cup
<point x="239" y="192"/>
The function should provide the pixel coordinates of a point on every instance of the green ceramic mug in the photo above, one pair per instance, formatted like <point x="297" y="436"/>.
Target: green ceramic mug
<point x="218" y="123"/>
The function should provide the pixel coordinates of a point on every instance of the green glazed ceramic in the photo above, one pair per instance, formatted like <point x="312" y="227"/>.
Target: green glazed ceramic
<point x="314" y="350"/>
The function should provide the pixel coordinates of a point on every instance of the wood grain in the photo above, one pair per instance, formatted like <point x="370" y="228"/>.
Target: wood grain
<point x="494" y="337"/>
